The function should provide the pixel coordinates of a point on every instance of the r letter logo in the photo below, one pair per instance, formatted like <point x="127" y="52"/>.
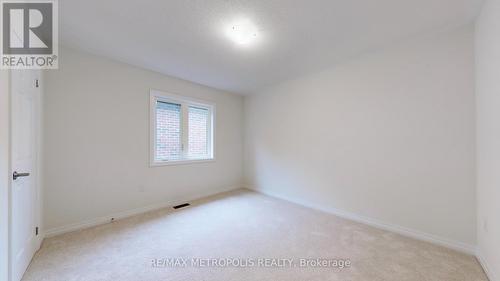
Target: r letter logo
<point x="29" y="34"/>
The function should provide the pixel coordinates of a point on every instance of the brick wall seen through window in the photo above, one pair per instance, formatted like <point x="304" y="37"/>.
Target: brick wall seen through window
<point x="182" y="129"/>
<point x="168" y="131"/>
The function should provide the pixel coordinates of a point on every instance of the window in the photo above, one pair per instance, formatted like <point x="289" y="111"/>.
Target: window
<point x="181" y="129"/>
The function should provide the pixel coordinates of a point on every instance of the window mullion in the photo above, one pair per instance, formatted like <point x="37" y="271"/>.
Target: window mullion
<point x="185" y="129"/>
<point x="209" y="134"/>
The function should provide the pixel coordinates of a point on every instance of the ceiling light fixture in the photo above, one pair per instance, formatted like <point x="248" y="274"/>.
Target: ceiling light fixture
<point x="242" y="32"/>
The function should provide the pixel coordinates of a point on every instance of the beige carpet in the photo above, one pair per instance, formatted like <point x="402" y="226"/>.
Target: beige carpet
<point x="261" y="237"/>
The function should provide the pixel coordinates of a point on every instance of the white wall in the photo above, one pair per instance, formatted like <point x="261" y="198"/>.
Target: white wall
<point x="488" y="136"/>
<point x="96" y="144"/>
<point x="4" y="172"/>
<point x="387" y="137"/>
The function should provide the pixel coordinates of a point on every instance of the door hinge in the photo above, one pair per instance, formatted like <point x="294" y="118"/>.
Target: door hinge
<point x="36" y="231"/>
<point x="36" y="83"/>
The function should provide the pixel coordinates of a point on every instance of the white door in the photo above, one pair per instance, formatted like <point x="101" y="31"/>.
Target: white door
<point x="25" y="95"/>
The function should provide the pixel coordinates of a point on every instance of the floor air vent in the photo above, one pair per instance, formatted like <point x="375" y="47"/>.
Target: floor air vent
<point x="181" y="206"/>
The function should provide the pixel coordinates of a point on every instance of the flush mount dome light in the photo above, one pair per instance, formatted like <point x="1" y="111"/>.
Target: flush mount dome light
<point x="242" y="33"/>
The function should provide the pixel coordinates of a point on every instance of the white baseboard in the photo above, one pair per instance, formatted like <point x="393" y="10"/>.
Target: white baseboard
<point x="487" y="269"/>
<point x="129" y="213"/>
<point x="102" y="220"/>
<point x="416" y="234"/>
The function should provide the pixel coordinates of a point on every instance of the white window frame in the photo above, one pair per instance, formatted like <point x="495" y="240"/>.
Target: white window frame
<point x="185" y="102"/>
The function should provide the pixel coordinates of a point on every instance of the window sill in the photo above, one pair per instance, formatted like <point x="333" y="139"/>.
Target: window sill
<point x="180" y="162"/>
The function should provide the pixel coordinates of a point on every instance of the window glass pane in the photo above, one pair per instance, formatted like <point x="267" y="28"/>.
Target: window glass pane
<point x="198" y="133"/>
<point x="168" y="131"/>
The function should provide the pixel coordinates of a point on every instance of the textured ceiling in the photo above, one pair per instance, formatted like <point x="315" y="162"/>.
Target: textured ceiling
<point x="186" y="38"/>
